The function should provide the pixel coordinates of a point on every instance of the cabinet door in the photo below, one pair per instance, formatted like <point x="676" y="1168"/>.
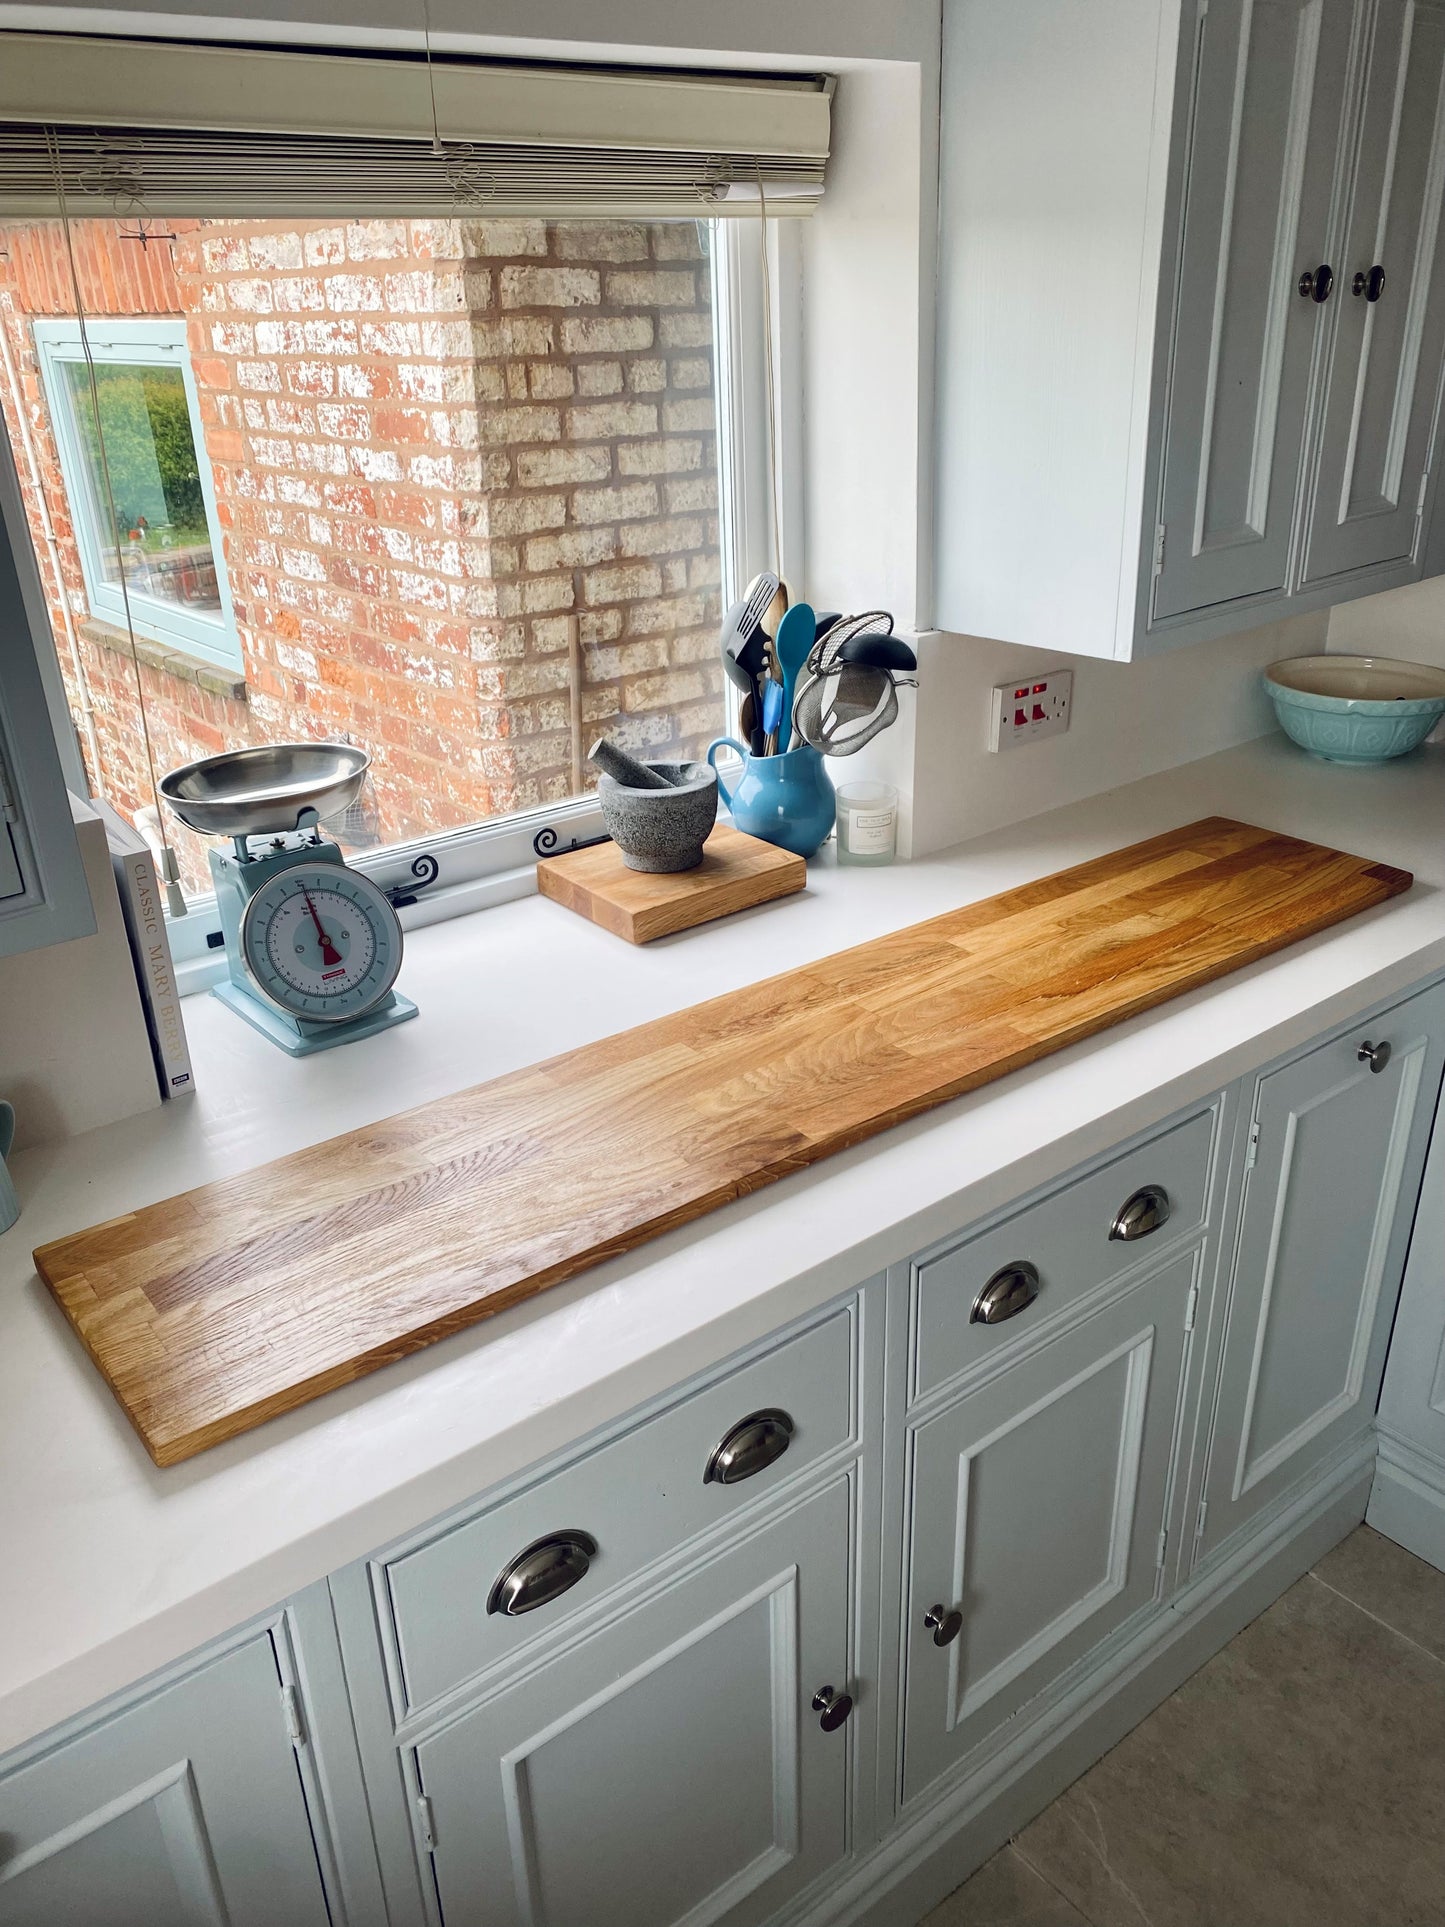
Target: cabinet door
<point x="670" y="1767"/>
<point x="1412" y="1401"/>
<point x="1038" y="1509"/>
<point x="181" y="1810"/>
<point x="1385" y="353"/>
<point x="1339" y="1141"/>
<point x="1269" y="100"/>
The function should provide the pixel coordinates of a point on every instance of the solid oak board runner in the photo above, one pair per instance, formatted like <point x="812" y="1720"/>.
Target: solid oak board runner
<point x="213" y="1311"/>
<point x="736" y="873"/>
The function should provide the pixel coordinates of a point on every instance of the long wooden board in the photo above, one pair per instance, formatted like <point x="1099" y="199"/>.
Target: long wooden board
<point x="216" y="1310"/>
<point x="737" y="872"/>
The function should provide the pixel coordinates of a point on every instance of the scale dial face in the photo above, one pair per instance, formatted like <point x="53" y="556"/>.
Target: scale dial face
<point x="321" y="942"/>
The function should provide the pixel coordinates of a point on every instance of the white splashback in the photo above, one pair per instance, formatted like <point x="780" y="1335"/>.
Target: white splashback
<point x="1129" y="720"/>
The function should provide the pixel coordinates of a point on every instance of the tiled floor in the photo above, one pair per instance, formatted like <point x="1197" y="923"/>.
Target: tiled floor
<point x="1297" y="1780"/>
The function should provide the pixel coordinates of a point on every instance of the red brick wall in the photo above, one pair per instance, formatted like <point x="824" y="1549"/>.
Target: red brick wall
<point x="450" y="459"/>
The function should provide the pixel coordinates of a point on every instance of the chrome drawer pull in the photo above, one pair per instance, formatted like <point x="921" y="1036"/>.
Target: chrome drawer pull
<point x="542" y="1573"/>
<point x="1007" y="1293"/>
<point x="1142" y="1213"/>
<point x="752" y="1444"/>
<point x="1375" y="1055"/>
<point x="834" y="1707"/>
<point x="944" y="1624"/>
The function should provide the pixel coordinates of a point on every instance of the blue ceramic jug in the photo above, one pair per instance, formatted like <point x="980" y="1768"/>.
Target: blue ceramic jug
<point x="787" y="800"/>
<point x="9" y="1203"/>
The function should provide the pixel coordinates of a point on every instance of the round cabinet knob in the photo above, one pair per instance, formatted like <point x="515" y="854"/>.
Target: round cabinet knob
<point x="833" y="1707"/>
<point x="1137" y="1216"/>
<point x="945" y="1623"/>
<point x="1371" y="285"/>
<point x="752" y="1444"/>
<point x="1377" y="1056"/>
<point x="1317" y="282"/>
<point x="1011" y="1289"/>
<point x="541" y="1573"/>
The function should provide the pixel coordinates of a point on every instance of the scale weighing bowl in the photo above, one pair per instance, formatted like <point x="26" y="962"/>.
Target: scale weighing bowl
<point x="265" y="791"/>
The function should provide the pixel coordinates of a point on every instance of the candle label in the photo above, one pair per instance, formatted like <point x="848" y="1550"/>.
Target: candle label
<point x="870" y="832"/>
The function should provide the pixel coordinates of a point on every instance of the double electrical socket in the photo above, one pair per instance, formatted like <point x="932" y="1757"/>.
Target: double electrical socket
<point x="1025" y="710"/>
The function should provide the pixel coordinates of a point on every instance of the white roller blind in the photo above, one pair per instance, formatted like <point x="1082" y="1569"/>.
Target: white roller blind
<point x="184" y="129"/>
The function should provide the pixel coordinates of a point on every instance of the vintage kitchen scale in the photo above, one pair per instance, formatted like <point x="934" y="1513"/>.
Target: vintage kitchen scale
<point x="313" y="946"/>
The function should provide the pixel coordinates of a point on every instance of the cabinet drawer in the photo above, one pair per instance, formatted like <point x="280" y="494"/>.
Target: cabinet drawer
<point x="635" y="1499"/>
<point x="1066" y="1240"/>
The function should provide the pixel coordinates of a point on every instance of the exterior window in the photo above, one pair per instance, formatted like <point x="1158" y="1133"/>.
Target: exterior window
<point x="454" y="490"/>
<point x="162" y="540"/>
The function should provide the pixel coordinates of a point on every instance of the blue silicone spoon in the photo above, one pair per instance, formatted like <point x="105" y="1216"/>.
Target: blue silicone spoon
<point x="796" y="634"/>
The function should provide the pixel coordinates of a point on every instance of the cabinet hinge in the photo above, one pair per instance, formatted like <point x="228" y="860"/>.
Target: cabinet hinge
<point x="1163" y="1549"/>
<point x="1200" y="1517"/>
<point x="1420" y="498"/>
<point x="1158" y="548"/>
<point x="426" y="1823"/>
<point x="291" y="1708"/>
<point x="1252" y="1153"/>
<point x="1191" y="1306"/>
<point x="8" y="811"/>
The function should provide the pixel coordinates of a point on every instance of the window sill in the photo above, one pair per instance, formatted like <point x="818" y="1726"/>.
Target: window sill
<point x="168" y="659"/>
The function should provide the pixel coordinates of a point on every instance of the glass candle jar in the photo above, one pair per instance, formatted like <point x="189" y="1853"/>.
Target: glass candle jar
<point x="867" y="822"/>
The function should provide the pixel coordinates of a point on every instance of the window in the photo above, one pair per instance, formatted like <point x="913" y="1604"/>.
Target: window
<point x="161" y="539"/>
<point x="471" y="406"/>
<point x="462" y="477"/>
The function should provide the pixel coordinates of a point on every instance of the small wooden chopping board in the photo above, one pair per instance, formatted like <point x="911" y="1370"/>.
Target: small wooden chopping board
<point x="213" y="1311"/>
<point x="736" y="873"/>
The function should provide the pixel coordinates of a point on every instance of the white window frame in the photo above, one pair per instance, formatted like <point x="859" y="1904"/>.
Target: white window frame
<point x="494" y="862"/>
<point x="155" y="342"/>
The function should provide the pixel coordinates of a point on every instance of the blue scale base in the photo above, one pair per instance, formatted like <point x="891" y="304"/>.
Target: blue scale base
<point x="300" y="1039"/>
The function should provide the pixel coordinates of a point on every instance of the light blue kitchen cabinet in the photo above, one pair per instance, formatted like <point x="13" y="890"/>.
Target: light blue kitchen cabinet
<point x="1387" y="317"/>
<point x="1334" y="1150"/>
<point x="44" y="897"/>
<point x="182" y="1808"/>
<point x="687" y="1761"/>
<point x="1269" y="118"/>
<point x="1408" y="1500"/>
<point x="1164" y="411"/>
<point x="1038" y="1516"/>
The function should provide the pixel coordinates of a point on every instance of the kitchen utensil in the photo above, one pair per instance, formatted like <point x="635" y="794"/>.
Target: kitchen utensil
<point x="737" y="872"/>
<point x="266" y="791"/>
<point x="1355" y="709"/>
<point x="786" y="799"/>
<point x="796" y="635"/>
<point x="758" y="598"/>
<point x="660" y="831"/>
<point x="876" y="651"/>
<point x="626" y="770"/>
<point x="826" y="619"/>
<point x="772" y="715"/>
<point x="313" y="948"/>
<point x="777" y="606"/>
<point x="9" y="1202"/>
<point x="841" y="705"/>
<point x="744" y="658"/>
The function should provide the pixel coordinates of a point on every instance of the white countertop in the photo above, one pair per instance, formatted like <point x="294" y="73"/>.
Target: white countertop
<point x="112" y="1567"/>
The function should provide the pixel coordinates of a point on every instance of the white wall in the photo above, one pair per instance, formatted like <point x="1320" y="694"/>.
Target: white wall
<point x="1129" y="720"/>
<point x="1408" y="622"/>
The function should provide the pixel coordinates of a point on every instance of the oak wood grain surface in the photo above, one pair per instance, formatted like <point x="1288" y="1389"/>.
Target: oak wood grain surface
<point x="211" y="1312"/>
<point x="736" y="873"/>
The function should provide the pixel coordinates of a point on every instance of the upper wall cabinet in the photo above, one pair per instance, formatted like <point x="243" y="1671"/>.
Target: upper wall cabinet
<point x="1191" y="313"/>
<point x="44" y="897"/>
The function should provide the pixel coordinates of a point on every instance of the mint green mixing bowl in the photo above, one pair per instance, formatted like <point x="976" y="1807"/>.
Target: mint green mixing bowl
<point x="1355" y="709"/>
